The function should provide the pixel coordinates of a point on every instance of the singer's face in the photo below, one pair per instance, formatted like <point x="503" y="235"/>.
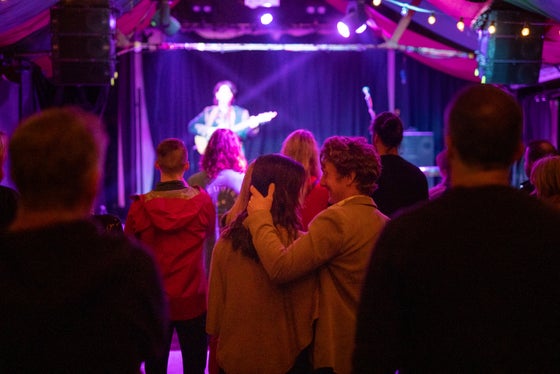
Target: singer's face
<point x="224" y="95"/>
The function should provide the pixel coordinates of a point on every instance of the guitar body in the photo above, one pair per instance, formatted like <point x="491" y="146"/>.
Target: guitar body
<point x="201" y="140"/>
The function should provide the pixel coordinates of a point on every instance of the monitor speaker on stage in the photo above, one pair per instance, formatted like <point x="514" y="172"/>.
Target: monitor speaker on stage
<point x="417" y="147"/>
<point x="506" y="55"/>
<point x="83" y="43"/>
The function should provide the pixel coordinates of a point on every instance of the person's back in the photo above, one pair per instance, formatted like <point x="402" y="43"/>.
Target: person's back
<point x="174" y="223"/>
<point x="261" y="327"/>
<point x="401" y="184"/>
<point x="223" y="166"/>
<point x="74" y="299"/>
<point x="472" y="284"/>
<point x="173" y="220"/>
<point x="478" y="285"/>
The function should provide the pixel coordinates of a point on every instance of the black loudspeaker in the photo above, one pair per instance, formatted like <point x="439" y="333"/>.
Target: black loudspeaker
<point x="83" y="44"/>
<point x="507" y="56"/>
<point x="417" y="147"/>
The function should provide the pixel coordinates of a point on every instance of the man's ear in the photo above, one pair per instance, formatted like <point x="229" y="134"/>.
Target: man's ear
<point x="519" y="152"/>
<point x="350" y="178"/>
<point x="187" y="166"/>
<point x="451" y="152"/>
<point x="156" y="165"/>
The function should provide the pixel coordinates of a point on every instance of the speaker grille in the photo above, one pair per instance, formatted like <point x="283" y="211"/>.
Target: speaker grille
<point x="506" y="56"/>
<point x="82" y="45"/>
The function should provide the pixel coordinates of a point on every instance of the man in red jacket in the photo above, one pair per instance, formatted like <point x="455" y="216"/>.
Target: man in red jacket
<point x="174" y="219"/>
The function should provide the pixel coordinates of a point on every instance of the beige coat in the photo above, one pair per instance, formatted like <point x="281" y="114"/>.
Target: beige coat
<point x="261" y="327"/>
<point x="338" y="246"/>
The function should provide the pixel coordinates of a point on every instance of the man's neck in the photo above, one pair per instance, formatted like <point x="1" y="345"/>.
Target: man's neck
<point x="383" y="150"/>
<point x="462" y="176"/>
<point x="31" y="219"/>
<point x="172" y="178"/>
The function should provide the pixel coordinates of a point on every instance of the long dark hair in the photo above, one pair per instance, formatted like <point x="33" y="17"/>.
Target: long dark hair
<point x="288" y="176"/>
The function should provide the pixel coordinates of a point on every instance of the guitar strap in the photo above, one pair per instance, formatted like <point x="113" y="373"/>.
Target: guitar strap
<point x="211" y="117"/>
<point x="215" y="120"/>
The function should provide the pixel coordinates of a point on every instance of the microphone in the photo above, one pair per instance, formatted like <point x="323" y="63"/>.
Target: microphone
<point x="365" y="90"/>
<point x="369" y="102"/>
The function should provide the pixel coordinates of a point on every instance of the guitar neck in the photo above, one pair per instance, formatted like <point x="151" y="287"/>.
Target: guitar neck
<point x="238" y="127"/>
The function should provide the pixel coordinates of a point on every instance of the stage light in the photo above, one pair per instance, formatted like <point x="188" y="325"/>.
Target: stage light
<point x="376" y="2"/>
<point x="492" y="28"/>
<point x="267" y="18"/>
<point x="525" y="31"/>
<point x="164" y="21"/>
<point x="354" y="21"/>
<point x="254" y="4"/>
<point x="461" y="24"/>
<point x="432" y="18"/>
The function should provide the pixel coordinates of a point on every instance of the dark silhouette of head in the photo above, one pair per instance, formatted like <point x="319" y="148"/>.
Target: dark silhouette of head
<point x="484" y="125"/>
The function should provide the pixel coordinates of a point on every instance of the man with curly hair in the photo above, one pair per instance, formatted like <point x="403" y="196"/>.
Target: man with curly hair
<point x="337" y="246"/>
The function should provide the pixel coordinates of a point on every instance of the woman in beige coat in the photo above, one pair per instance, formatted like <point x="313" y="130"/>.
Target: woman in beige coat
<point x="261" y="327"/>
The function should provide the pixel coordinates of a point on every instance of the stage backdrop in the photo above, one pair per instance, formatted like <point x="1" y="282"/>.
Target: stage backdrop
<point x="318" y="91"/>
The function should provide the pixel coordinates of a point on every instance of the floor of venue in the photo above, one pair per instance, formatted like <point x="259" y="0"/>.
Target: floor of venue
<point x="175" y="364"/>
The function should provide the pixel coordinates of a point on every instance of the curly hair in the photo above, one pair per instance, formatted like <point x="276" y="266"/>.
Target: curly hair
<point x="289" y="177"/>
<point x="223" y="152"/>
<point x="353" y="155"/>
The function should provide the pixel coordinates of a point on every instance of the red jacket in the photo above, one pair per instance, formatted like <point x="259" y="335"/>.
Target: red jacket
<point x="174" y="224"/>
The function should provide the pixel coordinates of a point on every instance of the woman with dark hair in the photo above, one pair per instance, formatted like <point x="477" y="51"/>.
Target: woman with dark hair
<point x="261" y="327"/>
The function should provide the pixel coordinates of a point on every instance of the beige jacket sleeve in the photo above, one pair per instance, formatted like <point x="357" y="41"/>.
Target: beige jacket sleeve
<point x="320" y="244"/>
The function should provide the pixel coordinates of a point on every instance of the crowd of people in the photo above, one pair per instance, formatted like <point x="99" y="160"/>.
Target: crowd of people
<point x="331" y="259"/>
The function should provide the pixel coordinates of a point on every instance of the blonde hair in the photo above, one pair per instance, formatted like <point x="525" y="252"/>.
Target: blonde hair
<point x="545" y="176"/>
<point x="301" y="146"/>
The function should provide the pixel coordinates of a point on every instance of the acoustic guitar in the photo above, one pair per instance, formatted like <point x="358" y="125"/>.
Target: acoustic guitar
<point x="205" y="132"/>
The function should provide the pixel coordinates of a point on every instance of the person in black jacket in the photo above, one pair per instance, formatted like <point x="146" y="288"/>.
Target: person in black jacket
<point x="469" y="282"/>
<point x="75" y="299"/>
<point x="401" y="183"/>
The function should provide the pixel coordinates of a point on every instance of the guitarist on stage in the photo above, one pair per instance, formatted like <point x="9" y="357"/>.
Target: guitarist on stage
<point x="223" y="114"/>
